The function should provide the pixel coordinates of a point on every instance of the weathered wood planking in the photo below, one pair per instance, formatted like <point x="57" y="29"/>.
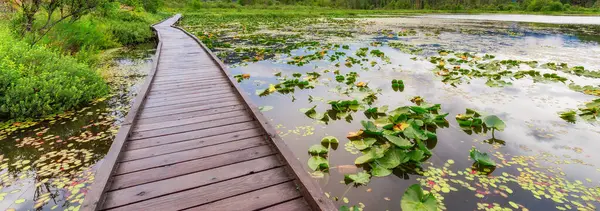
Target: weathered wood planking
<point x="193" y="141"/>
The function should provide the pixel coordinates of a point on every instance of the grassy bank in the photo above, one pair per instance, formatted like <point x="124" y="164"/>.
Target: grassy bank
<point x="62" y="70"/>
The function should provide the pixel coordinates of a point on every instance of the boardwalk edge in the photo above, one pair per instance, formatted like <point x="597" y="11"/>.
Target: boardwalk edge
<point x="95" y="195"/>
<point x="308" y="187"/>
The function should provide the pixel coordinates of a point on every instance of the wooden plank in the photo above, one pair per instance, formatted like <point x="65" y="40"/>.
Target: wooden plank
<point x="188" y="145"/>
<point x="188" y="78"/>
<point x="206" y="99"/>
<point x="255" y="200"/>
<point x="144" y="115"/>
<point x="293" y="205"/>
<point x="163" y="187"/>
<point x="180" y="122"/>
<point x="194" y="94"/>
<point x="199" y="86"/>
<point x="181" y="156"/>
<point x="192" y="74"/>
<point x="192" y="90"/>
<point x="191" y="127"/>
<point x="95" y="196"/>
<point x="187" y="167"/>
<point x="310" y="189"/>
<point x="211" y="193"/>
<point x="191" y="114"/>
<point x="159" y="107"/>
<point x="187" y="74"/>
<point x="131" y="145"/>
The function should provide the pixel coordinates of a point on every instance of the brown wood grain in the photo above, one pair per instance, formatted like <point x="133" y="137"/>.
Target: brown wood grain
<point x="187" y="145"/>
<point x="191" y="127"/>
<point x="162" y="106"/>
<point x="255" y="200"/>
<point x="191" y="166"/>
<point x="293" y="205"/>
<point x="145" y="115"/>
<point x="181" y="156"/>
<point x="190" y="114"/>
<point x="210" y="193"/>
<point x="187" y="121"/>
<point x="176" y="184"/>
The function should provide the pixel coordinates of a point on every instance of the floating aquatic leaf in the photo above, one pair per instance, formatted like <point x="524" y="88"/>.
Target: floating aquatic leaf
<point x="329" y="140"/>
<point x="317" y="162"/>
<point x="353" y="208"/>
<point x="317" y="149"/>
<point x="482" y="159"/>
<point x="362" y="178"/>
<point x="415" y="200"/>
<point x="493" y="121"/>
<point x="399" y="141"/>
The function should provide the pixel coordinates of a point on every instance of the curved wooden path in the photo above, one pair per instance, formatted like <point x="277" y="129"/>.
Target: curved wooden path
<point x="193" y="141"/>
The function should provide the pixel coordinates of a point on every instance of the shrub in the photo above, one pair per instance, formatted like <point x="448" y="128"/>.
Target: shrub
<point x="36" y="81"/>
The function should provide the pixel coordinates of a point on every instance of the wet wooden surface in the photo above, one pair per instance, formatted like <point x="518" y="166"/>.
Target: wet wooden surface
<point x="194" y="144"/>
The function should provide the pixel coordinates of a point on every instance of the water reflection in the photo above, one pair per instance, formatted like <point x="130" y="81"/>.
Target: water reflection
<point x="535" y="140"/>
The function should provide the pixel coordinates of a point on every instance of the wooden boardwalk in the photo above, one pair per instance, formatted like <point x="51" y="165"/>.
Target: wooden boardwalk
<point x="193" y="141"/>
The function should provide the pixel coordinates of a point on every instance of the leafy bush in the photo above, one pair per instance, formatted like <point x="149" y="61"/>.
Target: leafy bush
<point x="36" y="81"/>
<point x="545" y="5"/>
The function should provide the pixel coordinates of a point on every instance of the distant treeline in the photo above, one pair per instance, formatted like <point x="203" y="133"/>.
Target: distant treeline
<point x="485" y="5"/>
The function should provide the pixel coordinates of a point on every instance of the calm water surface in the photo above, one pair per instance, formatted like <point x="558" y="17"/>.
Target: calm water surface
<point x="542" y="152"/>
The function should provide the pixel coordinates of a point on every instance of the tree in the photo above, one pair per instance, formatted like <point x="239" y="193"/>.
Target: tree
<point x="51" y="12"/>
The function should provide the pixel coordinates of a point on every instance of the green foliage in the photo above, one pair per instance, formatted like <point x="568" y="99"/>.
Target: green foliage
<point x="362" y="178"/>
<point x="481" y="159"/>
<point x="415" y="200"/>
<point x="35" y="81"/>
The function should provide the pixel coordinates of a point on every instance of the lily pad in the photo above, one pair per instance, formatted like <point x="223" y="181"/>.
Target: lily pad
<point x="493" y="121"/>
<point x="481" y="158"/>
<point x="362" y="178"/>
<point x="317" y="162"/>
<point x="317" y="149"/>
<point x="399" y="141"/>
<point x="415" y="200"/>
<point x="329" y="140"/>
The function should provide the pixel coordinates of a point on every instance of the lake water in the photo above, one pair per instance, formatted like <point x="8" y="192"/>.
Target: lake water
<point x="543" y="161"/>
<point x="526" y="18"/>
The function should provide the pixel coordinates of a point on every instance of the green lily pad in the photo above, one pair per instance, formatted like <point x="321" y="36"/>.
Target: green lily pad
<point x="493" y="121"/>
<point x="379" y="171"/>
<point x="399" y="141"/>
<point x="393" y="158"/>
<point x="370" y="155"/>
<point x="415" y="200"/>
<point x="317" y="162"/>
<point x="481" y="158"/>
<point x="363" y="143"/>
<point x="329" y="140"/>
<point x="362" y="178"/>
<point x="317" y="149"/>
<point x="353" y="208"/>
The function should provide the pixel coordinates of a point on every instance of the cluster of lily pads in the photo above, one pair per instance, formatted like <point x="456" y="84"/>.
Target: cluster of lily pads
<point x="590" y="112"/>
